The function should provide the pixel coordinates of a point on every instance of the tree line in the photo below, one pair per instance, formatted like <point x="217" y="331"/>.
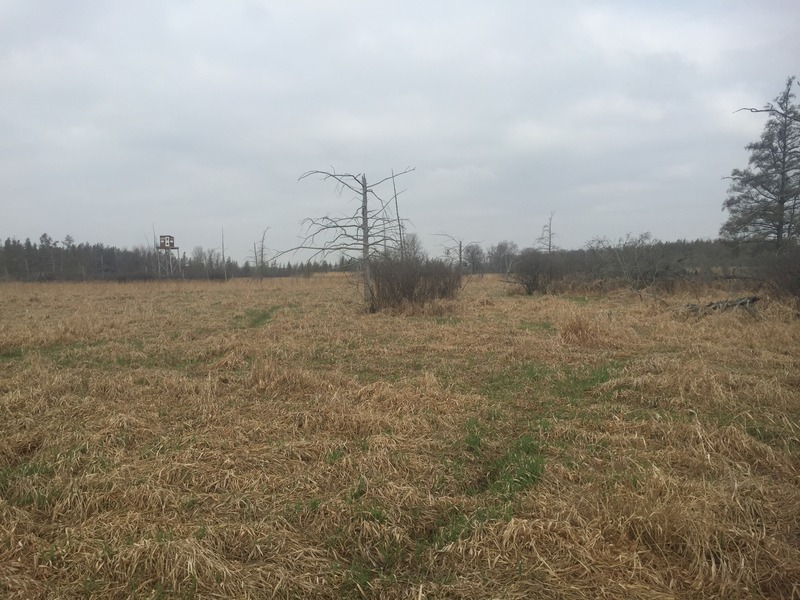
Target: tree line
<point x="639" y="260"/>
<point x="64" y="260"/>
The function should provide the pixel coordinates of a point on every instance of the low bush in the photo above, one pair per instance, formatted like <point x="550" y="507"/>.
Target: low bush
<point x="397" y="281"/>
<point x="534" y="271"/>
<point x="781" y="273"/>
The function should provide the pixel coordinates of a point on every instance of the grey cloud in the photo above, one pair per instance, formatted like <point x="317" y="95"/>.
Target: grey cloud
<point x="195" y="116"/>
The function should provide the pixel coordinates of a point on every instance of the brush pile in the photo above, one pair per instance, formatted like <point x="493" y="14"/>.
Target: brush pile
<point x="747" y="303"/>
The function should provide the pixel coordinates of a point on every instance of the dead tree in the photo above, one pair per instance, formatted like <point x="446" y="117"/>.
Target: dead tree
<point x="258" y="256"/>
<point x="638" y="262"/>
<point x="367" y="232"/>
<point x="454" y="249"/>
<point x="545" y="241"/>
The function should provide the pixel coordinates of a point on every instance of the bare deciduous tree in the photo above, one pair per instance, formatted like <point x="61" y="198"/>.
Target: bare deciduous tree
<point x="454" y="249"/>
<point x="638" y="261"/>
<point x="367" y="232"/>
<point x="259" y="250"/>
<point x="500" y="257"/>
<point x="545" y="241"/>
<point x="224" y="264"/>
<point x="475" y="257"/>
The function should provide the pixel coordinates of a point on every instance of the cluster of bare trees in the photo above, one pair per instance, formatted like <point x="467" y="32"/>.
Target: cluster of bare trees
<point x="392" y="264"/>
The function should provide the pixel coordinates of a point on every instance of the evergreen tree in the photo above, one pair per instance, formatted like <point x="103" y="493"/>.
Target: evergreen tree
<point x="764" y="199"/>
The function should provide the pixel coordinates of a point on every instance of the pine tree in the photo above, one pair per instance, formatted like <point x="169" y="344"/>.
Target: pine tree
<point x="764" y="199"/>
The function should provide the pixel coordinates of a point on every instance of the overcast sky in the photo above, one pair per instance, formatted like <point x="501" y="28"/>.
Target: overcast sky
<point x="190" y="117"/>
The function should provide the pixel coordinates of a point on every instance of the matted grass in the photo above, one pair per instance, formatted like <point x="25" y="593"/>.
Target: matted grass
<point x="269" y="439"/>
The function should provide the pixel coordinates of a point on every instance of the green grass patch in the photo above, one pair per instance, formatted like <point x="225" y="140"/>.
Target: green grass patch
<point x="541" y="383"/>
<point x="763" y="434"/>
<point x="514" y="382"/>
<point x="472" y="439"/>
<point x="574" y="384"/>
<point x="453" y="527"/>
<point x="487" y="463"/>
<point x="358" y="490"/>
<point x="255" y="317"/>
<point x="538" y="326"/>
<point x="446" y="320"/>
<point x="39" y="493"/>
<point x="774" y="437"/>
<point x="11" y="353"/>
<point x="10" y="475"/>
<point x="162" y="359"/>
<point x="356" y="577"/>
<point x="373" y="512"/>
<point x="518" y="469"/>
<point x="72" y="355"/>
<point x="456" y="525"/>
<point x="335" y="454"/>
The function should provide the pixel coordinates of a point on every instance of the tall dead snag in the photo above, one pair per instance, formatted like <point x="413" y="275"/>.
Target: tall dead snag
<point x="365" y="240"/>
<point x="364" y="233"/>
<point x="545" y="241"/>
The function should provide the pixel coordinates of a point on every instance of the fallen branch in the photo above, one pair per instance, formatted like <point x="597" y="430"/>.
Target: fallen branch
<point x="746" y="303"/>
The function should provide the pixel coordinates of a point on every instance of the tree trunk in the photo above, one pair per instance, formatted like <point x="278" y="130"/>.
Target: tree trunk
<point x="255" y="259"/>
<point x="399" y="222"/>
<point x="780" y="227"/>
<point x="224" y="264"/>
<point x="365" y="243"/>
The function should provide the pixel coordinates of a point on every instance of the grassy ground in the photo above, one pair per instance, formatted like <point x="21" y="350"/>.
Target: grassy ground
<point x="250" y="440"/>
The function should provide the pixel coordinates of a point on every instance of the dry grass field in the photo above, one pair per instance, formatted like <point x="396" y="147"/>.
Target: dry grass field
<point x="269" y="439"/>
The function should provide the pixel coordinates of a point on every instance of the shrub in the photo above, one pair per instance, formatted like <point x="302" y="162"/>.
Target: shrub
<point x="397" y="281"/>
<point x="781" y="273"/>
<point x="639" y="263"/>
<point x="535" y="271"/>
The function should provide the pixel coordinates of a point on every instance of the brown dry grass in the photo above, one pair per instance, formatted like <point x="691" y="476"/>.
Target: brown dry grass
<point x="250" y="440"/>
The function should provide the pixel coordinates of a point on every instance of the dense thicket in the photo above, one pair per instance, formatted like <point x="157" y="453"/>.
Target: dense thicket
<point x="400" y="280"/>
<point x="641" y="263"/>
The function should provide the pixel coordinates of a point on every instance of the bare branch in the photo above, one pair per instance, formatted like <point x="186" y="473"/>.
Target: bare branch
<point x="456" y="242"/>
<point x="340" y="177"/>
<point x="771" y="110"/>
<point x="407" y="170"/>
